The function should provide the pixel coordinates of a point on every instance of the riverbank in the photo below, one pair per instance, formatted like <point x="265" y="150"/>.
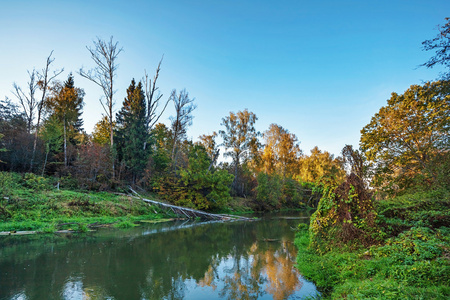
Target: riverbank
<point x="411" y="259"/>
<point x="34" y="204"/>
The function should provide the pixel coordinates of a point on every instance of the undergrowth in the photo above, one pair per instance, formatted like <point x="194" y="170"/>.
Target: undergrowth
<point x="410" y="259"/>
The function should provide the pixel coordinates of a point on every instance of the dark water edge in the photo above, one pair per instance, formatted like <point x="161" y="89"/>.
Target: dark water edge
<point x="175" y="260"/>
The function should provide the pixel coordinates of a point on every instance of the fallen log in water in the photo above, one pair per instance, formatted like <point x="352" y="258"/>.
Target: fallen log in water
<point x="189" y="212"/>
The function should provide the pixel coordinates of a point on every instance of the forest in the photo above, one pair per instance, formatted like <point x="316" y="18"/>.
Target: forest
<point x="42" y="135"/>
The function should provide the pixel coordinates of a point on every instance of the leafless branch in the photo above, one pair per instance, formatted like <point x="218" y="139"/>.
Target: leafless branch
<point x="27" y="100"/>
<point x="153" y="96"/>
<point x="183" y="109"/>
<point x="104" y="54"/>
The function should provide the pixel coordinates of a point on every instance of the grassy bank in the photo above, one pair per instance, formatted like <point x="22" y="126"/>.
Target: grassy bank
<point x="410" y="260"/>
<point x="30" y="202"/>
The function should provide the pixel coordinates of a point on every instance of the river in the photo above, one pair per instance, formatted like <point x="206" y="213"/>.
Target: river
<point x="173" y="260"/>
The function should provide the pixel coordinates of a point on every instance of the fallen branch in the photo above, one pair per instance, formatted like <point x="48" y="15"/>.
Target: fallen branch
<point x="189" y="212"/>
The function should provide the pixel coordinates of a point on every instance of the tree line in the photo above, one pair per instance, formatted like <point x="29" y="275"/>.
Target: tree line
<point x="405" y="145"/>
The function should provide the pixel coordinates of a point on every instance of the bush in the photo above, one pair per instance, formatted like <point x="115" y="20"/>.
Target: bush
<point x="8" y="182"/>
<point x="196" y="186"/>
<point x="35" y="182"/>
<point x="274" y="191"/>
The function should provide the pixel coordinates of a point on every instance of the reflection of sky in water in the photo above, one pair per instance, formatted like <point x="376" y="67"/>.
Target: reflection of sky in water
<point x="73" y="289"/>
<point x="19" y="296"/>
<point x="182" y="261"/>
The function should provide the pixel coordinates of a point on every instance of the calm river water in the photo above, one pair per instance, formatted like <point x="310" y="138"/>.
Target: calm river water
<point x="174" y="260"/>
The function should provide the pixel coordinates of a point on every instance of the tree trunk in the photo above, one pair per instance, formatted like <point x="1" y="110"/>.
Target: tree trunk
<point x="45" y="161"/>
<point x="33" y="155"/>
<point x="65" y="143"/>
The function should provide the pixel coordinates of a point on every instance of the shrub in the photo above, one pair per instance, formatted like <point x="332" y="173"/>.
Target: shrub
<point x="35" y="182"/>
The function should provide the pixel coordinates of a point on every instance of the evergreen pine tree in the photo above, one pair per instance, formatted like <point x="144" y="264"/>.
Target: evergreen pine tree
<point x="132" y="132"/>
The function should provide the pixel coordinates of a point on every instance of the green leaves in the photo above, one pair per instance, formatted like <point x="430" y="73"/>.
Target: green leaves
<point x="195" y="186"/>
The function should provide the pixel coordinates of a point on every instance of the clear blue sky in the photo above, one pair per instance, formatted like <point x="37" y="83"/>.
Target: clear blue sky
<point x="321" y="69"/>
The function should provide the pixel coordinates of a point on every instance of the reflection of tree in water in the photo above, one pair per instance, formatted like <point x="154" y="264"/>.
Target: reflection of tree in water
<point x="222" y="256"/>
<point x="283" y="277"/>
<point x="263" y="269"/>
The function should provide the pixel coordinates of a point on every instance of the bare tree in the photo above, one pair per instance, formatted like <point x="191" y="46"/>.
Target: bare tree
<point x="104" y="54"/>
<point x="28" y="101"/>
<point x="183" y="109"/>
<point x="153" y="98"/>
<point x="441" y="45"/>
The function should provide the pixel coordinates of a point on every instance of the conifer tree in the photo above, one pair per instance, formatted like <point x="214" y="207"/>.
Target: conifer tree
<point x="132" y="132"/>
<point x="66" y="106"/>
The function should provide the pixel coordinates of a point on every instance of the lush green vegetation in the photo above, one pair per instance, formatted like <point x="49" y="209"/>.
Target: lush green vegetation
<point x="30" y="202"/>
<point x="409" y="258"/>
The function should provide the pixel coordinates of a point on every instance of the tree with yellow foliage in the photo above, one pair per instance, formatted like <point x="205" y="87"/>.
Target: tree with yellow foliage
<point x="321" y="167"/>
<point x="101" y="134"/>
<point x="406" y="136"/>
<point x="281" y="152"/>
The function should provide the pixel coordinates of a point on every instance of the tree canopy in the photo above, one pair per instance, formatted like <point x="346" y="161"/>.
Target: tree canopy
<point x="405" y="136"/>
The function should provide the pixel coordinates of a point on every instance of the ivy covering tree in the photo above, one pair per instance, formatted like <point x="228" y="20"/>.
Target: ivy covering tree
<point x="131" y="132"/>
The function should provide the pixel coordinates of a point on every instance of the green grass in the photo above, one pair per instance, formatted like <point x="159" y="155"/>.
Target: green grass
<point x="412" y="262"/>
<point x="30" y="203"/>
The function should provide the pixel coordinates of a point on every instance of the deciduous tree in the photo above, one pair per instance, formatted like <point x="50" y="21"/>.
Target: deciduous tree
<point x="153" y="97"/>
<point x="240" y="138"/>
<point x="184" y="106"/>
<point x="28" y="99"/>
<point x="281" y="151"/>
<point x="30" y="104"/>
<point x="17" y="140"/>
<point x="321" y="167"/>
<point x="52" y="136"/>
<point x="406" y="134"/>
<point x="104" y="54"/>
<point x="101" y="134"/>
<point x="208" y="141"/>
<point x="355" y="162"/>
